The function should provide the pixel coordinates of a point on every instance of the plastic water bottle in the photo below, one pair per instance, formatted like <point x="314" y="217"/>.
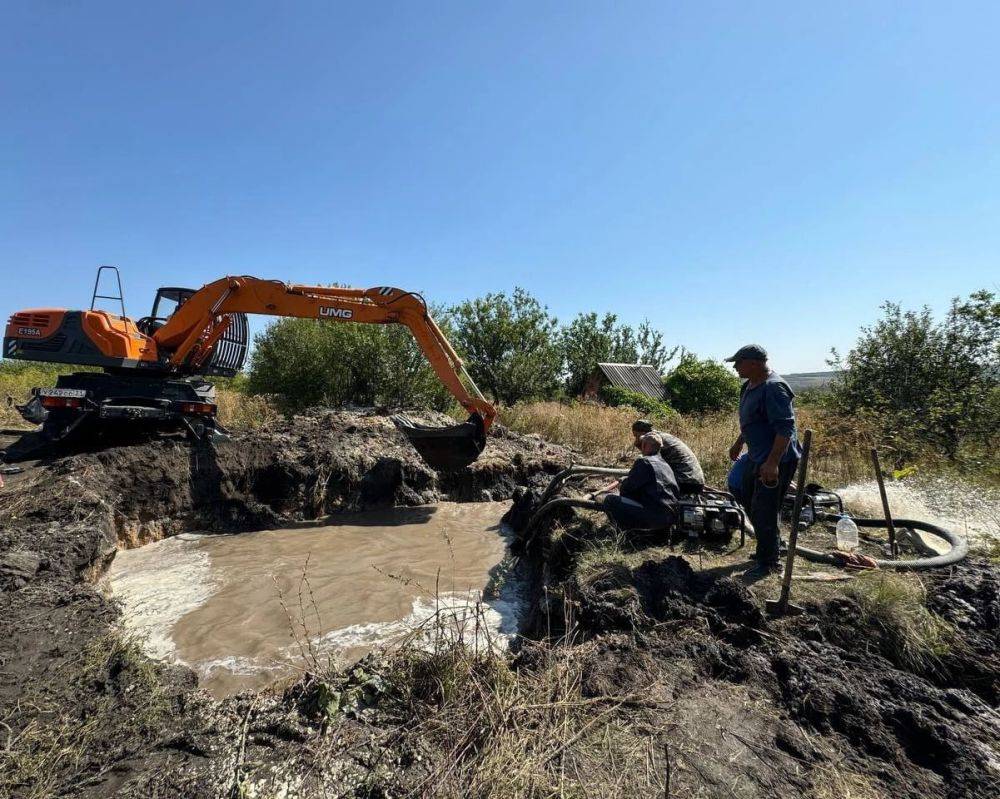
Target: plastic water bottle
<point x="847" y="534"/>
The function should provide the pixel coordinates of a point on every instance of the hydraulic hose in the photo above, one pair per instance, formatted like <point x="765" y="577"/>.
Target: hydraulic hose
<point x="959" y="546"/>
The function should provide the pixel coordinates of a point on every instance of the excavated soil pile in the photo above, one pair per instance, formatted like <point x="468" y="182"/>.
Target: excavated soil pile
<point x="904" y="728"/>
<point x="641" y="676"/>
<point x="62" y="672"/>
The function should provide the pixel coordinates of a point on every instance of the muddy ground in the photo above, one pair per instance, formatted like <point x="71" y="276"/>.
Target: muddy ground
<point x="680" y="684"/>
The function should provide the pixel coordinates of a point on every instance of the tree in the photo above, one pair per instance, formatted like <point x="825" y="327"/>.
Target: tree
<point x="697" y="386"/>
<point x="652" y="350"/>
<point x="926" y="382"/>
<point x="306" y="362"/>
<point x="588" y="340"/>
<point x="509" y="345"/>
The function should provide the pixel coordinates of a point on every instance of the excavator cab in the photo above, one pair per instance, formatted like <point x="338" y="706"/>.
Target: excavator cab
<point x="228" y="353"/>
<point x="168" y="299"/>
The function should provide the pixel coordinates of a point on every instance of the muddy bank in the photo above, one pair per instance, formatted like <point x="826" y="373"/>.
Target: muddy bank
<point x="648" y="672"/>
<point x="838" y="686"/>
<point x="66" y="695"/>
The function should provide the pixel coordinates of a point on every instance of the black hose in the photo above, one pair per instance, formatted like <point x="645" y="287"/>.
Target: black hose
<point x="572" y="502"/>
<point x="574" y="471"/>
<point x="959" y="546"/>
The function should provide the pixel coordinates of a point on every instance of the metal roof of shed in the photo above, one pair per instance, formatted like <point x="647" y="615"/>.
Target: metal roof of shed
<point x="635" y="377"/>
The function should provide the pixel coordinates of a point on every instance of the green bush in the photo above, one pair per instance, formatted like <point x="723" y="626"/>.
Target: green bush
<point x="305" y="362"/>
<point x="700" y="386"/>
<point x="926" y="383"/>
<point x="617" y="397"/>
<point x="509" y="345"/>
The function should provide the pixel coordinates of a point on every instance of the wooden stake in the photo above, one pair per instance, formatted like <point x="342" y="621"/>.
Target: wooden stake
<point x="781" y="607"/>
<point x="893" y="546"/>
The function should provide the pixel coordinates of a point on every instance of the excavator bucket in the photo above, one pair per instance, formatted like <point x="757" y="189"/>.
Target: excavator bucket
<point x="446" y="448"/>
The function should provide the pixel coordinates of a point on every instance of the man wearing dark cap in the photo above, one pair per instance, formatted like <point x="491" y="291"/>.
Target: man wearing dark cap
<point x="677" y="454"/>
<point x="647" y="495"/>
<point x="767" y="429"/>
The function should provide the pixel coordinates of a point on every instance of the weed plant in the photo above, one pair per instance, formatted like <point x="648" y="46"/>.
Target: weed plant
<point x="909" y="634"/>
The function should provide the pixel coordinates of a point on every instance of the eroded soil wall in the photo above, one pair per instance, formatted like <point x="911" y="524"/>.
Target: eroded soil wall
<point x="63" y="520"/>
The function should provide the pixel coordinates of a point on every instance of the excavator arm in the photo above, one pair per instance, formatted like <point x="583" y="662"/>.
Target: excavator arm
<point x="192" y="331"/>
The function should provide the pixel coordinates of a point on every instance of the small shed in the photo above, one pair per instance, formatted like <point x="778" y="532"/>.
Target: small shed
<point x="633" y="376"/>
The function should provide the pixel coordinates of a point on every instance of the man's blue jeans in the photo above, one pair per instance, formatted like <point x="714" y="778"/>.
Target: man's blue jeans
<point x="631" y="515"/>
<point x="763" y="505"/>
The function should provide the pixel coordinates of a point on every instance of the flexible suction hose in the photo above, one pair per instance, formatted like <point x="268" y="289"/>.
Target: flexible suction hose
<point x="959" y="546"/>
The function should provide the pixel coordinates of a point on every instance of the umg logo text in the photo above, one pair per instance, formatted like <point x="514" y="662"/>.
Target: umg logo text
<point x="335" y="313"/>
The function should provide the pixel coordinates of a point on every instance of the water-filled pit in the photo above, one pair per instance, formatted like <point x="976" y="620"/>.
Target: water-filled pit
<point x="237" y="610"/>
<point x="244" y="610"/>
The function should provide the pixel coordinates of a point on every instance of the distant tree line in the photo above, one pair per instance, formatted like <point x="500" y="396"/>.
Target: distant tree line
<point x="512" y="346"/>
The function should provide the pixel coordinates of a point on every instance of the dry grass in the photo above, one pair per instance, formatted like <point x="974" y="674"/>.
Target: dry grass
<point x="602" y="435"/>
<point x="599" y="432"/>
<point x="910" y="635"/>
<point x="239" y="411"/>
<point x="836" y="783"/>
<point x="988" y="548"/>
<point x="492" y="732"/>
<point x="49" y="743"/>
<point x="16" y="382"/>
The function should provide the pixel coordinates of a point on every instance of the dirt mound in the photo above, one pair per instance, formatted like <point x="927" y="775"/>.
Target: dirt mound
<point x="920" y="736"/>
<point x="938" y="738"/>
<point x="62" y="521"/>
<point x="613" y="597"/>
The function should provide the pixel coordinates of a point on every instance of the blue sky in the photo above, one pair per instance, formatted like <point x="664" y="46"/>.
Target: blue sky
<point x="733" y="171"/>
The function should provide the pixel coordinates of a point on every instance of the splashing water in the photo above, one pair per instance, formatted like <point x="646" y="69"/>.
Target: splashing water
<point x="956" y="506"/>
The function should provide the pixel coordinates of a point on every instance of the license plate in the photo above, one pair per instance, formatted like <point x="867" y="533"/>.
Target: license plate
<point x="129" y="412"/>
<point x="77" y="393"/>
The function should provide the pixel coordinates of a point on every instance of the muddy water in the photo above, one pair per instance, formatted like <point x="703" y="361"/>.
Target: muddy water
<point x="244" y="610"/>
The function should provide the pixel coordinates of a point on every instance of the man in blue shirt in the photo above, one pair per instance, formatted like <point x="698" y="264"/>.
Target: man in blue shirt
<point x="767" y="429"/>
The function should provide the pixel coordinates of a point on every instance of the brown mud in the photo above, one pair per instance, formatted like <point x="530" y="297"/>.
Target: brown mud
<point x="730" y="702"/>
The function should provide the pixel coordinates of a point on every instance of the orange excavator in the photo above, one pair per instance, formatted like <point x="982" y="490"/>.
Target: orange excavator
<point x="153" y="368"/>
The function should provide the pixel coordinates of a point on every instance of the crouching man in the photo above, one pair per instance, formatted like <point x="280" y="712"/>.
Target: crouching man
<point x="678" y="455"/>
<point x="647" y="495"/>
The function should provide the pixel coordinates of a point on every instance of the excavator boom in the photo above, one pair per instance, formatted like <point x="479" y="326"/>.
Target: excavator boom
<point x="206" y="334"/>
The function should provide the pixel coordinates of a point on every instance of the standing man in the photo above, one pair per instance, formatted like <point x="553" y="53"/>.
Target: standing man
<point x="648" y="494"/>
<point x="767" y="429"/>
